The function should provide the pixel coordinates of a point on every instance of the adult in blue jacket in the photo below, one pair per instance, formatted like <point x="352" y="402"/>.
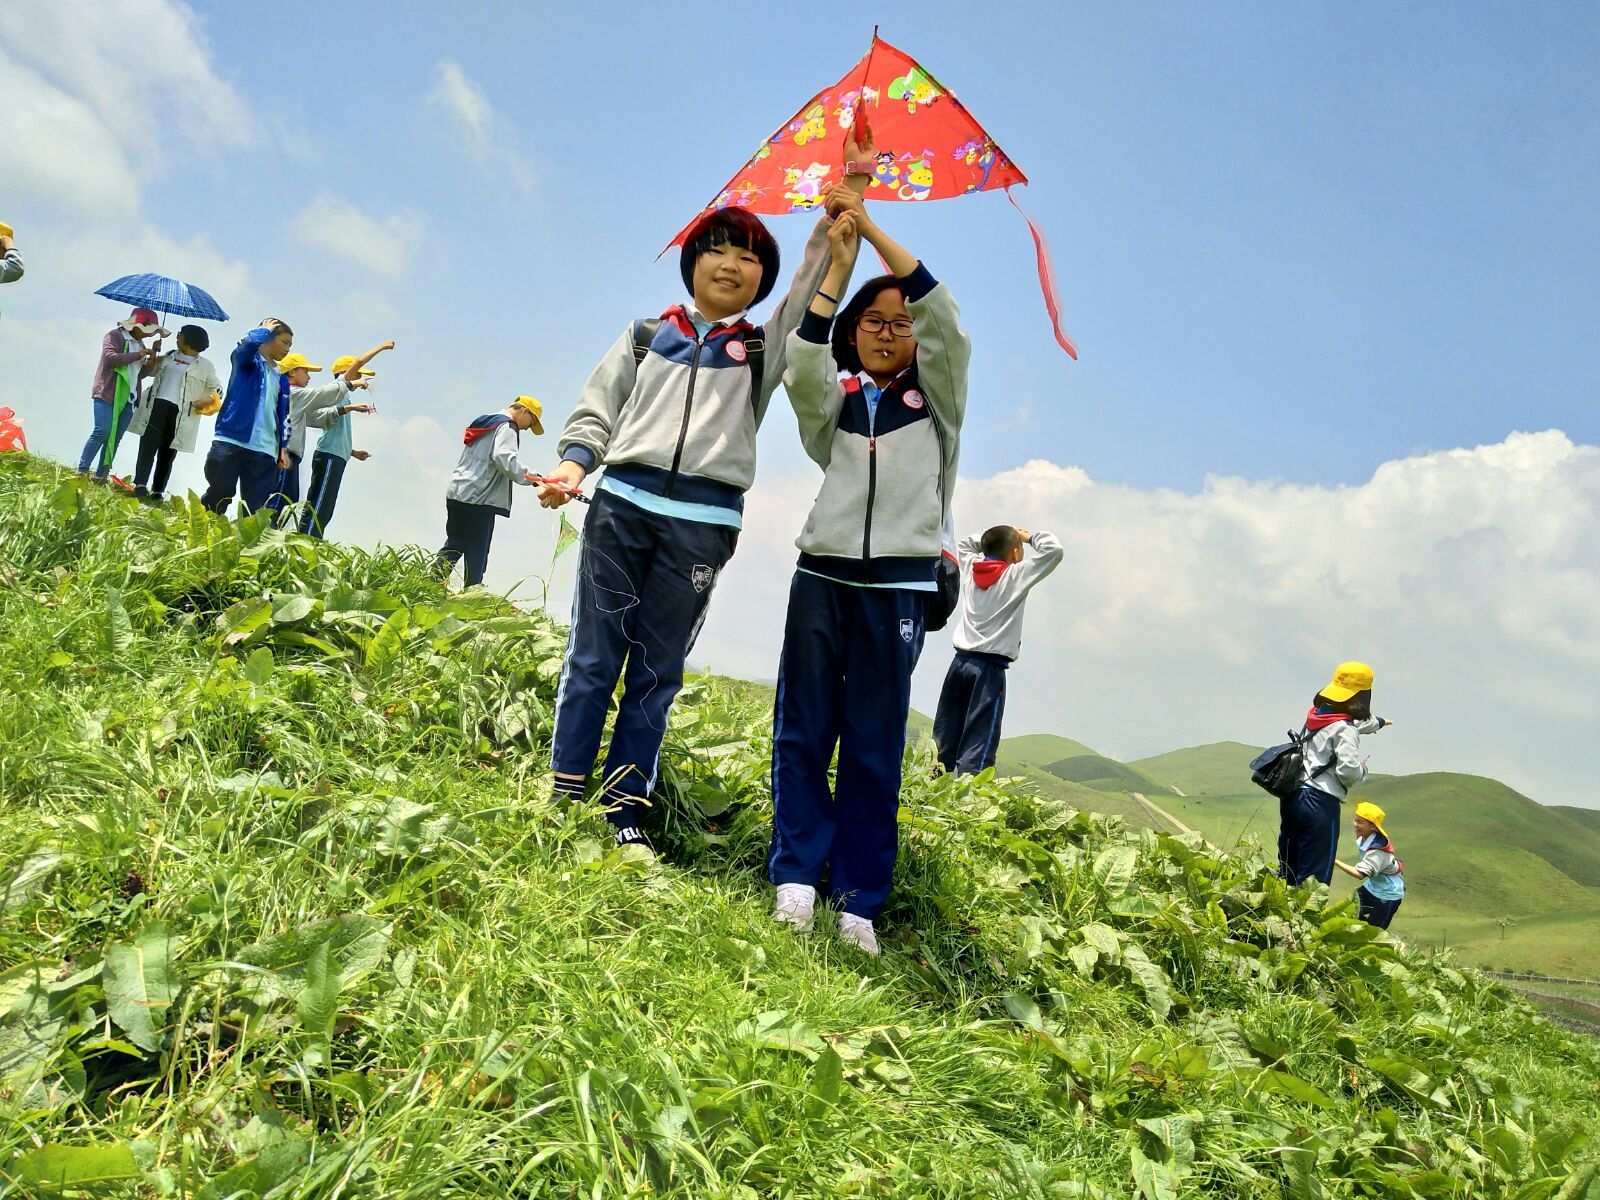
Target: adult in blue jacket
<point x="250" y="447"/>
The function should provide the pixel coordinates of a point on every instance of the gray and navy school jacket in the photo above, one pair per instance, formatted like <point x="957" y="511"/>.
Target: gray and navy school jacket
<point x="680" y="419"/>
<point x="303" y="402"/>
<point x="489" y="464"/>
<point x="887" y="477"/>
<point x="1382" y="872"/>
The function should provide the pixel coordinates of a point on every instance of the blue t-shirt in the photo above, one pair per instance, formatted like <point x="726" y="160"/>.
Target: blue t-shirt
<point x="336" y="438"/>
<point x="264" y="433"/>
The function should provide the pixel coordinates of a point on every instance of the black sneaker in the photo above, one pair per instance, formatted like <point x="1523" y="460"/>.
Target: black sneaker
<point x="158" y="497"/>
<point x="632" y="835"/>
<point x="140" y="492"/>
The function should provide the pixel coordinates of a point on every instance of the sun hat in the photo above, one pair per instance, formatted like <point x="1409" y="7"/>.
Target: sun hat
<point x="6" y="230"/>
<point x="1368" y="811"/>
<point x="1348" y="679"/>
<point x="145" y="321"/>
<point x="344" y="362"/>
<point x="295" y="360"/>
<point x="534" y="407"/>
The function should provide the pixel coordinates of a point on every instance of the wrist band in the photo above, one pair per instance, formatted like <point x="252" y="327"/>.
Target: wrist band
<point x="824" y="296"/>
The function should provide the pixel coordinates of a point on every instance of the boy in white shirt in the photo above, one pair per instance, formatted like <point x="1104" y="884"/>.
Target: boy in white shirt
<point x="995" y="581"/>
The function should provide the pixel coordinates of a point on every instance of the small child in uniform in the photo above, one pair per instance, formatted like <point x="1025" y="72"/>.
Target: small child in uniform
<point x="1382" y="874"/>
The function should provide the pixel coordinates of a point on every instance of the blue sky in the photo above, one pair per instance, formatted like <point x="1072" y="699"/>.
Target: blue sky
<point x="1322" y="263"/>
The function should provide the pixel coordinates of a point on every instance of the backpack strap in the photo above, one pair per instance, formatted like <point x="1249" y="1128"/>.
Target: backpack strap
<point x="1305" y="736"/>
<point x="755" y="352"/>
<point x="644" y="332"/>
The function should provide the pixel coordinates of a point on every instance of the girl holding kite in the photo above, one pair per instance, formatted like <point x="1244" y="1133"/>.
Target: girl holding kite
<point x="880" y="391"/>
<point x="672" y="412"/>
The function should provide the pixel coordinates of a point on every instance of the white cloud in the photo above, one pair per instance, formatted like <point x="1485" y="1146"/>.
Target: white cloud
<point x="143" y="66"/>
<point x="380" y="244"/>
<point x="57" y="148"/>
<point x="482" y="132"/>
<point x="1468" y="578"/>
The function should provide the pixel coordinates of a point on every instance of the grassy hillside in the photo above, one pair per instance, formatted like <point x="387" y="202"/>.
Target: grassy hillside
<point x="1103" y="774"/>
<point x="1216" y="769"/>
<point x="289" y="913"/>
<point x="1039" y="749"/>
<point x="1589" y="818"/>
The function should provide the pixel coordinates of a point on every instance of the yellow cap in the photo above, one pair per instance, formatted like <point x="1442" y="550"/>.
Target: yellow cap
<point x="344" y="362"/>
<point x="1368" y="811"/>
<point x="295" y="360"/>
<point x="6" y="230"/>
<point x="1348" y="679"/>
<point x="533" y="406"/>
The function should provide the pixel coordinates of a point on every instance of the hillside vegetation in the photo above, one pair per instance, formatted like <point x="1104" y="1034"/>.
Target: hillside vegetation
<point x="288" y="912"/>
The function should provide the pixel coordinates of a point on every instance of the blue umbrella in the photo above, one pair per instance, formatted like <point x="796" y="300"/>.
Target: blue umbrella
<point x="169" y="297"/>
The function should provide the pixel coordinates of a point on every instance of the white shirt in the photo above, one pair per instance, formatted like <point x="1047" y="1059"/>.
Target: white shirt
<point x="169" y="381"/>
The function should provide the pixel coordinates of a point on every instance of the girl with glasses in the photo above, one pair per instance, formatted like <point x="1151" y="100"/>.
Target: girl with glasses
<point x="880" y="390"/>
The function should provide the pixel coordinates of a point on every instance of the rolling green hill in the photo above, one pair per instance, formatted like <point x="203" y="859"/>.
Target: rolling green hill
<point x="1589" y="818"/>
<point x="1216" y="769"/>
<point x="1039" y="749"/>
<point x="1103" y="774"/>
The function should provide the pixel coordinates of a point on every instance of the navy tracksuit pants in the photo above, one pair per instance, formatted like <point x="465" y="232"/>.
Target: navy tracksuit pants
<point x="966" y="725"/>
<point x="644" y="583"/>
<point x="1374" y="911"/>
<point x="232" y="469"/>
<point x="1308" y="835"/>
<point x="327" y="473"/>
<point x="468" y="530"/>
<point x="845" y="680"/>
<point x="287" y="494"/>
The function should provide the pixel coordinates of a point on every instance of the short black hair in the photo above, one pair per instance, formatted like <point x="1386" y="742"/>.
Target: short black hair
<point x="1358" y="706"/>
<point x="195" y="338"/>
<point x="731" y="227"/>
<point x="1000" y="540"/>
<point x="844" y="325"/>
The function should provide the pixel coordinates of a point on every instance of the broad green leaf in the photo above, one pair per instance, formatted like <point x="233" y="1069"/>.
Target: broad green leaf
<point x="270" y="1169"/>
<point x="1083" y="957"/>
<point x="1103" y="938"/>
<point x="140" y="984"/>
<point x="116" y="630"/>
<point x="64" y="1167"/>
<point x="385" y="644"/>
<point x="318" y="1002"/>
<point x="1286" y="1083"/>
<point x="258" y="667"/>
<point x="30" y="877"/>
<point x="1114" y="867"/>
<point x="356" y="941"/>
<point x="239" y="621"/>
<point x="1025" y="1010"/>
<point x="827" y="1081"/>
<point x="1149" y="977"/>
<point x="288" y="609"/>
<point x="68" y="500"/>
<point x="1155" y="1180"/>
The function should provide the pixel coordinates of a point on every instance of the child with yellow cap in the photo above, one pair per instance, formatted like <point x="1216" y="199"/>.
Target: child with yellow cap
<point x="334" y="451"/>
<point x="305" y="400"/>
<point x="1382" y="874"/>
<point x="480" y="486"/>
<point x="1308" y="830"/>
<point x="10" y="260"/>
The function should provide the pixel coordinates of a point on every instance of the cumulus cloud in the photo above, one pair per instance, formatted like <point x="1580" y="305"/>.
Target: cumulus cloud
<point x="478" y="128"/>
<point x="379" y="244"/>
<point x="1468" y="578"/>
<point x="84" y="114"/>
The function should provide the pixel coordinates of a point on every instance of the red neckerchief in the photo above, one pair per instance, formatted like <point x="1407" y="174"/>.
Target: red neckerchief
<point x="1320" y="720"/>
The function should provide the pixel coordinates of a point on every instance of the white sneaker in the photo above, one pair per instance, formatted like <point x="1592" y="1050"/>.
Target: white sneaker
<point x="796" y="905"/>
<point x="858" y="932"/>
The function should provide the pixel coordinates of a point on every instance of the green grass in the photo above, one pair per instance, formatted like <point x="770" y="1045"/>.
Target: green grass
<point x="288" y="912"/>
<point x="1589" y="818"/>
<point x="1215" y="769"/>
<point x="1103" y="774"/>
<point x="1039" y="749"/>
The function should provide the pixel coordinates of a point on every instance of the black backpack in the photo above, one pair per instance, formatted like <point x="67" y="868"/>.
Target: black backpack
<point x="1281" y="769"/>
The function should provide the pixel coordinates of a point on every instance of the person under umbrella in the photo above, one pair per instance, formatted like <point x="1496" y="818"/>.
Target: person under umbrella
<point x="124" y="361"/>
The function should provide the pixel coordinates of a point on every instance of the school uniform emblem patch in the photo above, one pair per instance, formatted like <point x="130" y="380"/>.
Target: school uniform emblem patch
<point x="736" y="350"/>
<point x="702" y="576"/>
<point x="913" y="399"/>
<point x="908" y="630"/>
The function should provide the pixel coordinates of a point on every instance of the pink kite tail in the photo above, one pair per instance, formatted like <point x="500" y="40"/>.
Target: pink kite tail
<point x="1047" y="279"/>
